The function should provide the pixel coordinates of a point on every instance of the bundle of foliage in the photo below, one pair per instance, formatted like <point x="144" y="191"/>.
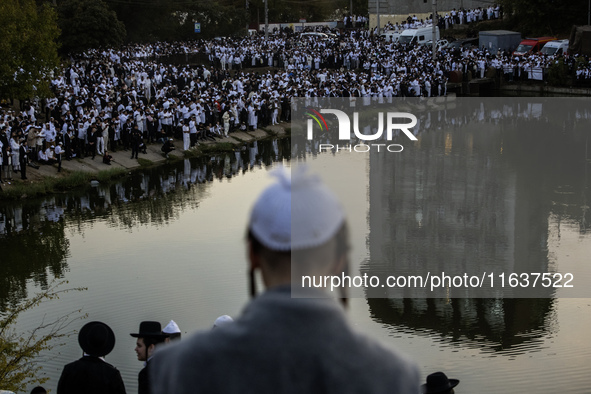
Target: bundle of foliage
<point x="20" y="352"/>
<point x="28" y="48"/>
<point x="88" y="24"/>
<point x="545" y="17"/>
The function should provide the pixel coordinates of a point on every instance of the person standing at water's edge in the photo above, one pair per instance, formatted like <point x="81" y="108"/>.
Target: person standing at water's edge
<point x="283" y="344"/>
<point x="149" y="336"/>
<point x="91" y="374"/>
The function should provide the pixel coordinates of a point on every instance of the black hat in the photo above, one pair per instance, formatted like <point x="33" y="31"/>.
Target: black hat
<point x="150" y="329"/>
<point x="96" y="339"/>
<point x="438" y="382"/>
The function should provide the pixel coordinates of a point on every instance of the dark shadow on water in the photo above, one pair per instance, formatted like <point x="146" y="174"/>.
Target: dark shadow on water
<point x="33" y="240"/>
<point x="496" y="326"/>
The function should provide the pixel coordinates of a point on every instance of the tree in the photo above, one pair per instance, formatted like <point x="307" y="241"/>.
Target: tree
<point x="147" y="20"/>
<point x="19" y="352"/>
<point x="217" y="19"/>
<point x="28" y="48"/>
<point x="89" y="24"/>
<point x="545" y="17"/>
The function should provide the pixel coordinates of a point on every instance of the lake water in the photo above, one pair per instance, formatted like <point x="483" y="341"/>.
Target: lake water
<point x="169" y="244"/>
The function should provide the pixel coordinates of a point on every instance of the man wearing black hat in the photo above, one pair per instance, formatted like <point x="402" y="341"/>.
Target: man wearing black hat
<point x="149" y="336"/>
<point x="438" y="383"/>
<point x="91" y="374"/>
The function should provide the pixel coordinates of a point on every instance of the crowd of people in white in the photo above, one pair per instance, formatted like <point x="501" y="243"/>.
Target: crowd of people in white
<point x="124" y="98"/>
<point x="447" y="20"/>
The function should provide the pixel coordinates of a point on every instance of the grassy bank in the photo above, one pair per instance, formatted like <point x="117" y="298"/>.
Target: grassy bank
<point x="48" y="185"/>
<point x="79" y="172"/>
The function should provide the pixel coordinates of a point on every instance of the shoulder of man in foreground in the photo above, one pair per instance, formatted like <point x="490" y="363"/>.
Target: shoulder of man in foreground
<point x="283" y="356"/>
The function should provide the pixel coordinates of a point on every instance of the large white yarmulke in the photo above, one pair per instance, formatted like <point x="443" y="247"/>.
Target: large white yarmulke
<point x="297" y="212"/>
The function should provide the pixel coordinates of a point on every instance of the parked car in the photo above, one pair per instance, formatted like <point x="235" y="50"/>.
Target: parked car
<point x="418" y="35"/>
<point x="314" y="35"/>
<point x="390" y="36"/>
<point x="462" y="43"/>
<point x="558" y="47"/>
<point x="440" y="44"/>
<point x="531" y="45"/>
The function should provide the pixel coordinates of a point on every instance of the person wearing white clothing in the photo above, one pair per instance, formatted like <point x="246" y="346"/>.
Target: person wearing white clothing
<point x="186" y="136"/>
<point x="58" y="156"/>
<point x="14" y="145"/>
<point x="226" y="120"/>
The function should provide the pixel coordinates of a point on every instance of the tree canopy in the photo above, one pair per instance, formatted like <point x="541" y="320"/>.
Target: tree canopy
<point x="28" y="48"/>
<point x="153" y="20"/>
<point x="545" y="17"/>
<point x="88" y="24"/>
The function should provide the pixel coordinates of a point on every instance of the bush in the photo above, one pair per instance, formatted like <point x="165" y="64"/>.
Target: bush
<point x="20" y="351"/>
<point x="558" y="73"/>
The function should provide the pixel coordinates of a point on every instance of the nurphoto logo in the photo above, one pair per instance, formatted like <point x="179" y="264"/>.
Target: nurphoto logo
<point x="392" y="121"/>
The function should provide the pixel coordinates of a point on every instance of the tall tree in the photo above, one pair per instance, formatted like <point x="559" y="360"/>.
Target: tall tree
<point x="147" y="20"/>
<point x="28" y="48"/>
<point x="545" y="17"/>
<point x="222" y="18"/>
<point x="88" y="24"/>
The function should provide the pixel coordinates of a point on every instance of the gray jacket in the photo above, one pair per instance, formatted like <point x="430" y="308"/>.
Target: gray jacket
<point x="282" y="345"/>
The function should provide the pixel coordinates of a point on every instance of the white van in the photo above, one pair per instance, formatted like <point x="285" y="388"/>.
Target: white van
<point x="390" y="36"/>
<point x="558" y="47"/>
<point x="418" y="35"/>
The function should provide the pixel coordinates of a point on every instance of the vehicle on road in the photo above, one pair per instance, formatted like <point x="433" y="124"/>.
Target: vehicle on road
<point x="531" y="45"/>
<point x="418" y="35"/>
<point x="558" y="47"/>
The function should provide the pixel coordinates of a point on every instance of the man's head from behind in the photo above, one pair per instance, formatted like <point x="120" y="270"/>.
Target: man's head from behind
<point x="297" y="227"/>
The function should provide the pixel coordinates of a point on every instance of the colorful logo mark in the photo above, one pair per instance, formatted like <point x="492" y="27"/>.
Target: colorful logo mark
<point x="315" y="116"/>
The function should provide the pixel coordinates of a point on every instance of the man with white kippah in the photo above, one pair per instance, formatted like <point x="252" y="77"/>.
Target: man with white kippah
<point x="222" y="321"/>
<point x="282" y="343"/>
<point x="173" y="331"/>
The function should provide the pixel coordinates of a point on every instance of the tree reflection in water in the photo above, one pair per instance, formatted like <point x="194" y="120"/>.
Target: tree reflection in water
<point x="33" y="241"/>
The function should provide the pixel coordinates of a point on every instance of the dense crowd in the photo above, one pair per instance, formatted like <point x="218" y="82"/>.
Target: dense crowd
<point x="106" y="100"/>
<point x="454" y="17"/>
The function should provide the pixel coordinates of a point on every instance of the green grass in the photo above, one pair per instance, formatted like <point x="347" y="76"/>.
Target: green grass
<point x="272" y="133"/>
<point x="218" y="147"/>
<point x="79" y="179"/>
<point x="191" y="153"/>
<point x="49" y="185"/>
<point x="110" y="174"/>
<point x="144" y="162"/>
<point x="173" y="158"/>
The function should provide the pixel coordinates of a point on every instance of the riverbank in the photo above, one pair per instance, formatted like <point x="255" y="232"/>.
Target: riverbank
<point x="515" y="89"/>
<point x="80" y="172"/>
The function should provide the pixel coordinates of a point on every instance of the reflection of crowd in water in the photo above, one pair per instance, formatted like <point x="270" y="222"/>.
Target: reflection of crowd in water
<point x="148" y="185"/>
<point x="16" y="219"/>
<point x="433" y="116"/>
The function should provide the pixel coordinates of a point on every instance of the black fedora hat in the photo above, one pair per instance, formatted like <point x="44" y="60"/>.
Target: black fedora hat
<point x="438" y="382"/>
<point x="96" y="339"/>
<point x="150" y="329"/>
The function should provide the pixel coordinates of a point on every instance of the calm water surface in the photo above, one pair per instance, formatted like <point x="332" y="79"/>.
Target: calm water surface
<point x="168" y="244"/>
